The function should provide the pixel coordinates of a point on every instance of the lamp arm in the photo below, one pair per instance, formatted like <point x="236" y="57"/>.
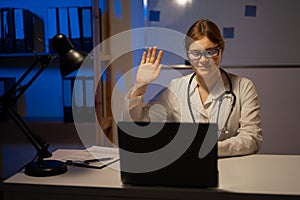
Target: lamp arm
<point x="38" y="143"/>
<point x="70" y="61"/>
<point x="41" y="167"/>
<point x="24" y="75"/>
<point x="9" y="98"/>
<point x="17" y="89"/>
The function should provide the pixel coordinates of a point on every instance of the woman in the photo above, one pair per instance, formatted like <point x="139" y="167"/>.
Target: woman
<point x="238" y="118"/>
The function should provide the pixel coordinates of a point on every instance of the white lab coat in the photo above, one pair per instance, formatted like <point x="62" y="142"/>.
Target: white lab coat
<point x="244" y="132"/>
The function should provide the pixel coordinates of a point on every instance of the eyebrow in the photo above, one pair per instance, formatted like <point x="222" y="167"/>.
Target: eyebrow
<point x="210" y="48"/>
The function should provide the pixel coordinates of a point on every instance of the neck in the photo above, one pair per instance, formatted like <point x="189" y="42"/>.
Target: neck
<point x="201" y="82"/>
<point x="207" y="82"/>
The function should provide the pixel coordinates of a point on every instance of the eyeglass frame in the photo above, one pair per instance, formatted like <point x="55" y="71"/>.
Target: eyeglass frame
<point x="204" y="53"/>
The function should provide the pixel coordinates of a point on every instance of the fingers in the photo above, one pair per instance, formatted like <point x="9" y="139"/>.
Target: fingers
<point x="159" y="57"/>
<point x="150" y="56"/>
<point x="153" y="55"/>
<point x="143" y="58"/>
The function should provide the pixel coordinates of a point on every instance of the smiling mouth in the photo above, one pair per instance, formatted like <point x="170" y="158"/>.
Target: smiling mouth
<point x="204" y="66"/>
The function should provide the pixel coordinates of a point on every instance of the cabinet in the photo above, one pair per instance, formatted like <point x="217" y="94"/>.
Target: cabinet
<point x="47" y="89"/>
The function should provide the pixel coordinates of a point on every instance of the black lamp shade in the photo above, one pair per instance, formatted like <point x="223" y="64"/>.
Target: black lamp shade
<point x="70" y="58"/>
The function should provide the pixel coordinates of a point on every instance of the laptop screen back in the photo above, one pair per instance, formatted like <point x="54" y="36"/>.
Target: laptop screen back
<point x="168" y="154"/>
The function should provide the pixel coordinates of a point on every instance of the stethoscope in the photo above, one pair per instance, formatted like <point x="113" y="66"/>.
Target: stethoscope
<point x="227" y="94"/>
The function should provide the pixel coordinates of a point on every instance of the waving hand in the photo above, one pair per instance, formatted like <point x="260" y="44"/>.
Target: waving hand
<point x="149" y="69"/>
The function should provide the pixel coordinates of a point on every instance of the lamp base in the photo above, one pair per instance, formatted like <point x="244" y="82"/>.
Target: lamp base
<point x="47" y="168"/>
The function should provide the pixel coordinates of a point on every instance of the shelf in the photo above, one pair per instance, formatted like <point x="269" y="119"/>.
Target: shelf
<point x="7" y="55"/>
<point x="23" y="60"/>
<point x="13" y="63"/>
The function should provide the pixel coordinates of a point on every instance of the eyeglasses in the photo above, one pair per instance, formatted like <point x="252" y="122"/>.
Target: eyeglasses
<point x="196" y="55"/>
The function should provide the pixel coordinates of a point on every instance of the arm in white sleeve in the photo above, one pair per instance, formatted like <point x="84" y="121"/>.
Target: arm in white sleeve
<point x="136" y="110"/>
<point x="248" y="137"/>
<point x="162" y="107"/>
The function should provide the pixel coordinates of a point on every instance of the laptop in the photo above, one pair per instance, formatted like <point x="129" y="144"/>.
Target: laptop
<point x="168" y="154"/>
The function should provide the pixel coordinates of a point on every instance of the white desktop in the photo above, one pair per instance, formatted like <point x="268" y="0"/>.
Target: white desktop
<point x="264" y="176"/>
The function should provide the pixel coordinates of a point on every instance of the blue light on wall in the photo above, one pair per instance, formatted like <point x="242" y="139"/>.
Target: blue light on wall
<point x="145" y="5"/>
<point x="43" y="99"/>
<point x="250" y="10"/>
<point x="118" y="9"/>
<point x="228" y="32"/>
<point x="154" y="15"/>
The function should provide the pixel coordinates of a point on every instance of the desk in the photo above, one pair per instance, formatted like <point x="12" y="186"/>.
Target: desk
<point x="249" y="177"/>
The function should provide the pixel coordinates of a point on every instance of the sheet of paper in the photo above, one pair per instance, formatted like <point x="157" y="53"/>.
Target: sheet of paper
<point x="96" y="152"/>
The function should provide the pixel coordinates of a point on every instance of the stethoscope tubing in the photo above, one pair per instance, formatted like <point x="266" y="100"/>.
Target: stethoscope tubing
<point x="228" y="92"/>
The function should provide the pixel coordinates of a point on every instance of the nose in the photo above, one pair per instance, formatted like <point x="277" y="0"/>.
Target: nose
<point x="203" y="60"/>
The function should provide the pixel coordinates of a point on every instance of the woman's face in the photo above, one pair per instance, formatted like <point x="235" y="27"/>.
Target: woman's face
<point x="204" y="56"/>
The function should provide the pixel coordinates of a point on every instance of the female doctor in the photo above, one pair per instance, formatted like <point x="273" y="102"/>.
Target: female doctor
<point x="207" y="95"/>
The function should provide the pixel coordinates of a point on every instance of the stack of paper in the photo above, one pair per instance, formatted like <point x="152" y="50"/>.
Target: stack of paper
<point x="96" y="156"/>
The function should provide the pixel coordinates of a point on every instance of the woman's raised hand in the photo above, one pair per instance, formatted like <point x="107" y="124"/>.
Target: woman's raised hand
<point x="150" y="66"/>
<point x="148" y="70"/>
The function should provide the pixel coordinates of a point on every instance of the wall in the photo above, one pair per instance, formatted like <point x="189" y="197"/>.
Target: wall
<point x="279" y="97"/>
<point x="264" y="48"/>
<point x="269" y="38"/>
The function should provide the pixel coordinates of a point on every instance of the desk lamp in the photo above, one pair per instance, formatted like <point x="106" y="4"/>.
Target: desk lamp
<point x="70" y="61"/>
